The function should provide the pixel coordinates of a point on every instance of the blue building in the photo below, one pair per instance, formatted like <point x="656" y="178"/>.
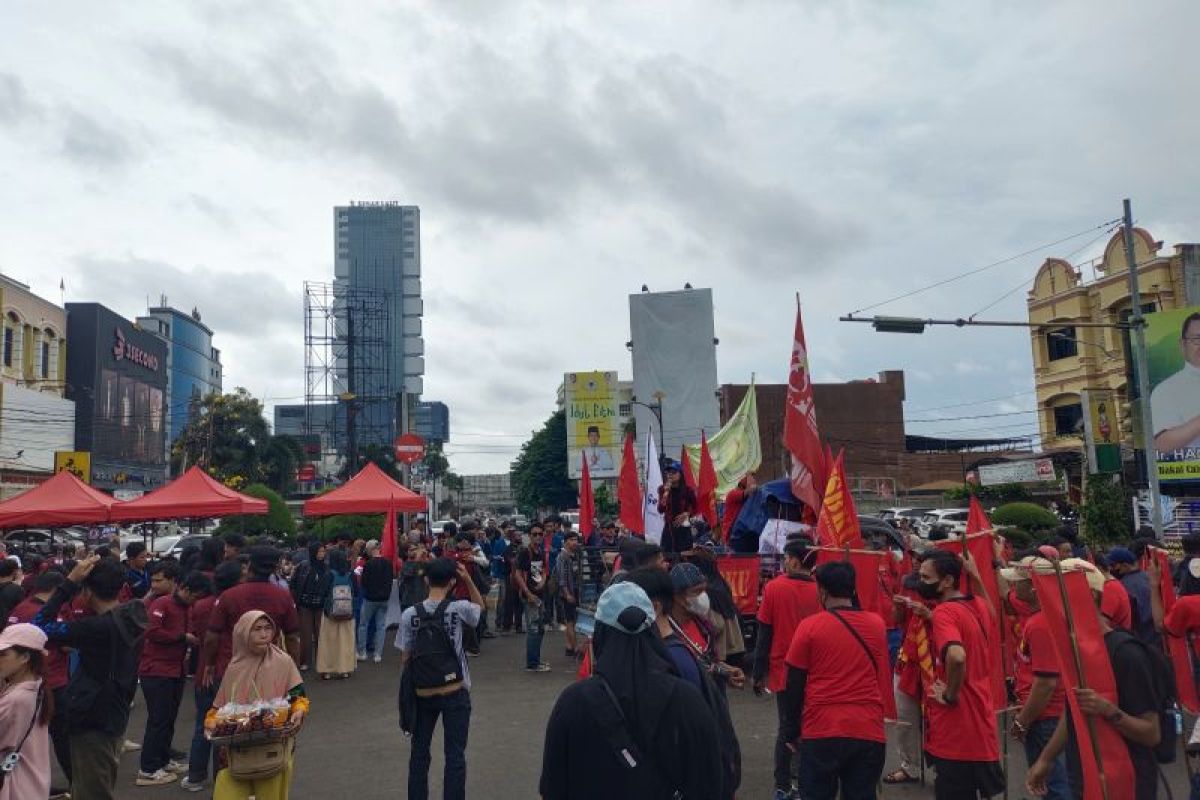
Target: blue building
<point x="431" y="421"/>
<point x="193" y="364"/>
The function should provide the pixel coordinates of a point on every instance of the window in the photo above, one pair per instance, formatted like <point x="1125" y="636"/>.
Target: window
<point x="1068" y="420"/>
<point x="625" y="410"/>
<point x="45" y="360"/>
<point x="1061" y="343"/>
<point x="8" y="347"/>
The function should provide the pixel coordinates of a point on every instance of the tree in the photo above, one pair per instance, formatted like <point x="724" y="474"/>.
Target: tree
<point x="377" y="454"/>
<point x="539" y="475"/>
<point x="358" y="526"/>
<point x="281" y="459"/>
<point x="998" y="495"/>
<point x="228" y="437"/>
<point x="606" y="506"/>
<point x="1106" y="512"/>
<point x="278" y="520"/>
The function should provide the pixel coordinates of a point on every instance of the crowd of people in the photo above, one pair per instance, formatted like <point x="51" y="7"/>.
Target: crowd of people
<point x="239" y="622"/>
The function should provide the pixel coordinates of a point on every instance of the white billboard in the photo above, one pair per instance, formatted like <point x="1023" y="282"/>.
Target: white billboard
<point x="1037" y="471"/>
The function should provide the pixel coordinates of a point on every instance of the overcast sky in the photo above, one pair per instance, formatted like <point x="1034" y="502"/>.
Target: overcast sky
<point x="565" y="154"/>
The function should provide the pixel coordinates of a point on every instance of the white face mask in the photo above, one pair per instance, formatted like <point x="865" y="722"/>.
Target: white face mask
<point x="699" y="604"/>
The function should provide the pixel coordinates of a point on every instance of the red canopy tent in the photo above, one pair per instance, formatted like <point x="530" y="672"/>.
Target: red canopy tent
<point x="192" y="494"/>
<point x="371" y="491"/>
<point x="61" y="500"/>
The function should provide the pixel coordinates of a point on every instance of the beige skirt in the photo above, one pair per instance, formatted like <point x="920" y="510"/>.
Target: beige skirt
<point x="335" y="654"/>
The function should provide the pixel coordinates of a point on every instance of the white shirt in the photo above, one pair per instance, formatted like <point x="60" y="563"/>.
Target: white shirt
<point x="458" y="613"/>
<point x="1176" y="401"/>
<point x="598" y="460"/>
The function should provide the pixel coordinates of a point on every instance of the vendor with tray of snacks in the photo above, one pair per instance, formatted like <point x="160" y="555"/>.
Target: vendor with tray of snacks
<point x="261" y="690"/>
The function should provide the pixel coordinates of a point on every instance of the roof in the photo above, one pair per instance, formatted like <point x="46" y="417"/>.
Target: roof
<point x="61" y="500"/>
<point x="371" y="491"/>
<point x="193" y="494"/>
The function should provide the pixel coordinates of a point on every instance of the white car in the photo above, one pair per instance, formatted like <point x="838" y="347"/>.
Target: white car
<point x="894" y="515"/>
<point x="955" y="519"/>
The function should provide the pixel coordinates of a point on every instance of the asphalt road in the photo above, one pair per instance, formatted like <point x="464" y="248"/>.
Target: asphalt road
<point x="352" y="745"/>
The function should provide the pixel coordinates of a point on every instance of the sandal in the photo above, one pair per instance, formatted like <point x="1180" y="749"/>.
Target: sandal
<point x="899" y="776"/>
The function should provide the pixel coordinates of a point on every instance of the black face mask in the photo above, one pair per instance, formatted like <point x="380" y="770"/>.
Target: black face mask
<point x="929" y="591"/>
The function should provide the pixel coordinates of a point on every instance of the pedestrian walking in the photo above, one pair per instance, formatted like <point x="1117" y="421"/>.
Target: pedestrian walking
<point x="26" y="708"/>
<point x="634" y="729"/>
<point x="258" y="670"/>
<point x="529" y="574"/>
<point x="375" y="586"/>
<point x="308" y="591"/>
<point x="336" y="655"/>
<point x="436" y="682"/>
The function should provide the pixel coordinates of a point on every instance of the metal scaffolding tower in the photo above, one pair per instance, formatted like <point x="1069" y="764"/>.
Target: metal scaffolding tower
<point x="348" y="401"/>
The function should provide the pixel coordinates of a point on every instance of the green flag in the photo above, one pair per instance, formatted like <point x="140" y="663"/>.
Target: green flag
<point x="735" y="448"/>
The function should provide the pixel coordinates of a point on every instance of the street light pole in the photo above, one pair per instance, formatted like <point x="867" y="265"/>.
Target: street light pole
<point x="1141" y="366"/>
<point x="656" y="410"/>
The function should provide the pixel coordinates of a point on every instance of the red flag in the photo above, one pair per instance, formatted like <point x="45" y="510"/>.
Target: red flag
<point x="837" y="525"/>
<point x="629" y="491"/>
<point x="977" y="518"/>
<point x="706" y="486"/>
<point x="981" y="549"/>
<point x="387" y="542"/>
<point x="587" y="503"/>
<point x="1177" y="648"/>
<point x="800" y="425"/>
<point x="685" y="466"/>
<point x="1096" y="674"/>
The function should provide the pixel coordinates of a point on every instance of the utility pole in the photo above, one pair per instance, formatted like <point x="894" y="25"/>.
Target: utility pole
<point x="1141" y="365"/>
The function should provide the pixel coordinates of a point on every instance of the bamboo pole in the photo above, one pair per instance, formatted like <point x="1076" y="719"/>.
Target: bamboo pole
<point x="1091" y="722"/>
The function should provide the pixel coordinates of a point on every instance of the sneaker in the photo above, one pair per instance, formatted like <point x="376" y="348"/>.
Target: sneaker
<point x="561" y="627"/>
<point x="177" y="767"/>
<point x="473" y="653"/>
<point x="538" y="668"/>
<point x="1193" y="745"/>
<point x="361" y="656"/>
<point x="59" y="794"/>
<point x="156" y="778"/>
<point x="130" y="747"/>
<point x="378" y="658"/>
<point x="487" y="635"/>
<point x="188" y="785"/>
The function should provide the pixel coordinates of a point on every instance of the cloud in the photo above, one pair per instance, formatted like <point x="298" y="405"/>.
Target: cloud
<point x="15" y="104"/>
<point x="88" y="142"/>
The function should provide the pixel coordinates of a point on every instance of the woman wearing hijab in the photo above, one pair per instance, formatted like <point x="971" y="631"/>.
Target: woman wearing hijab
<point x="336" y="655"/>
<point x="26" y="706"/>
<point x="259" y="670"/>
<point x="308" y="588"/>
<point x="634" y="729"/>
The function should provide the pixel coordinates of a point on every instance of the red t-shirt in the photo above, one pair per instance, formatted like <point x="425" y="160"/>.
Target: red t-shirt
<point x="250" y="596"/>
<point x="843" y="696"/>
<point x="1036" y="658"/>
<point x="1183" y="618"/>
<point x="786" y="601"/>
<point x="1114" y="604"/>
<point x="965" y="731"/>
<point x="56" y="659"/>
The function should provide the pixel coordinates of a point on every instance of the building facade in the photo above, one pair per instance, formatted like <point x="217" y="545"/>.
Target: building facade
<point x="117" y="376"/>
<point x="35" y="344"/>
<point x="487" y="493"/>
<point x="1068" y="359"/>
<point x="193" y="364"/>
<point x="377" y="254"/>
<point x="431" y="421"/>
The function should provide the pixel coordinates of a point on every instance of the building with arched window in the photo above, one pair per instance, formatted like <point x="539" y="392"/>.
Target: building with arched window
<point x="1069" y="358"/>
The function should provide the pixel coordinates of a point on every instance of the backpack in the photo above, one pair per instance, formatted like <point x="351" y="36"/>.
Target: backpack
<point x="1163" y="680"/>
<point x="432" y="657"/>
<point x="340" y="605"/>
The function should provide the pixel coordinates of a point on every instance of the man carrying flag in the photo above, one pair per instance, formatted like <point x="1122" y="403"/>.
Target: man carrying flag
<point x="961" y="738"/>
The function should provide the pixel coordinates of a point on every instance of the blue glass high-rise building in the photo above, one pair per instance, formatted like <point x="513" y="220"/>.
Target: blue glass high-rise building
<point x="193" y="364"/>
<point x="377" y="255"/>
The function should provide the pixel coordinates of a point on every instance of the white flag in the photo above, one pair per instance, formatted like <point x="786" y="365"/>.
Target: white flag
<point x="653" y="519"/>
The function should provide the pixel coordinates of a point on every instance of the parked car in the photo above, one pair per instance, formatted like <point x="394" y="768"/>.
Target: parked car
<point x="439" y="524"/>
<point x="894" y="515"/>
<point x="952" y="520"/>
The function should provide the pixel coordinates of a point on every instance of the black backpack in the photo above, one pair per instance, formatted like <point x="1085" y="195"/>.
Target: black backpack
<point x="432" y="658"/>
<point x="1163" y="679"/>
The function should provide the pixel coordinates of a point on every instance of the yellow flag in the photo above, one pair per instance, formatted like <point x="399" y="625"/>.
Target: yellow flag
<point x="735" y="449"/>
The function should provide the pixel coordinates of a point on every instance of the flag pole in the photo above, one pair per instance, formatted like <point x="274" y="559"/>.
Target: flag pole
<point x="1091" y="722"/>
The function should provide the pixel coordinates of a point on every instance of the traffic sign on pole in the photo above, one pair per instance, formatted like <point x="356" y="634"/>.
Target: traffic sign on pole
<point x="408" y="448"/>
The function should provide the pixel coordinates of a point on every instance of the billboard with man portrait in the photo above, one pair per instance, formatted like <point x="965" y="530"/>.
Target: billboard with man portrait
<point x="1173" y="342"/>
<point x="591" y="405"/>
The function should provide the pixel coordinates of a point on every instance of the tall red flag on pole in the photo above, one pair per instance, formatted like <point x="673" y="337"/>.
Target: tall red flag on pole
<point x="629" y="491"/>
<point x="808" y="470"/>
<point x="706" y="485"/>
<point x="387" y="542"/>
<point x="587" y="503"/>
<point x="837" y="525"/>
<point x="685" y="466"/>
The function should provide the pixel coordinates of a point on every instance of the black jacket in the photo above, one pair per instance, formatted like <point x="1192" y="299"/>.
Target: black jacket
<point x="376" y="580"/>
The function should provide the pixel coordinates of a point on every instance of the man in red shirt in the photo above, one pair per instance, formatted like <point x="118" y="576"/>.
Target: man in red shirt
<point x="1114" y="601"/>
<point x="56" y="668"/>
<point x="787" y="600"/>
<point x="1037" y="678"/>
<point x="961" y="737"/>
<point x="735" y="498"/>
<point x="162" y="668"/>
<point x="257" y="593"/>
<point x="837" y="678"/>
<point x="1182" y="621"/>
